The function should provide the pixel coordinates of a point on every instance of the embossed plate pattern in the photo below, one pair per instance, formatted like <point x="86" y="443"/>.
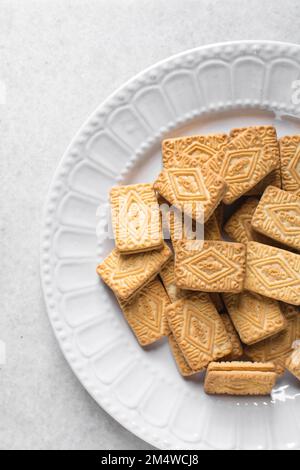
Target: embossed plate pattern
<point x="210" y="89"/>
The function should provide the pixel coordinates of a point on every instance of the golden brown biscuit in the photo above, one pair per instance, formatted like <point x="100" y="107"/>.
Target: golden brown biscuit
<point x="237" y="347"/>
<point x="198" y="330"/>
<point x="212" y="267"/>
<point x="191" y="150"/>
<point x="255" y="317"/>
<point x="182" y="365"/>
<point x="240" y="378"/>
<point x="245" y="161"/>
<point x="290" y="163"/>
<point x="127" y="274"/>
<point x="273" y="178"/>
<point x="136" y="218"/>
<point x="293" y="362"/>
<point x="145" y="313"/>
<point x="167" y="275"/>
<point x="273" y="272"/>
<point x="191" y="190"/>
<point x="277" y="348"/>
<point x="278" y="217"/>
<point x="238" y="227"/>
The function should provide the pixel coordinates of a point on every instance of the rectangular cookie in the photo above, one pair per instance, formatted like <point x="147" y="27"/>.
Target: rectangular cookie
<point x="277" y="348"/>
<point x="167" y="275"/>
<point x="273" y="272"/>
<point x="194" y="191"/>
<point x="199" y="330"/>
<point x="127" y="274"/>
<point x="136" y="218"/>
<point x="245" y="161"/>
<point x="237" y="347"/>
<point x="255" y="317"/>
<point x="145" y="313"/>
<point x="213" y="267"/>
<point x="182" y="365"/>
<point x="293" y="363"/>
<point x="191" y="150"/>
<point x="240" y="378"/>
<point x="239" y="228"/>
<point x="273" y="178"/>
<point x="290" y="163"/>
<point x="278" y="217"/>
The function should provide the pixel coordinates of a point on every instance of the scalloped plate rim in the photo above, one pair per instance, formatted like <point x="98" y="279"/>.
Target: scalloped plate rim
<point x="139" y="433"/>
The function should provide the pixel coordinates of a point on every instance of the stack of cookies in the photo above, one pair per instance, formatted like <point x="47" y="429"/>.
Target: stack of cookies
<point x="229" y="303"/>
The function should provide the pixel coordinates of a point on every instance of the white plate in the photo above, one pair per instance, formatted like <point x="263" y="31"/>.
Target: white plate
<point x="203" y="90"/>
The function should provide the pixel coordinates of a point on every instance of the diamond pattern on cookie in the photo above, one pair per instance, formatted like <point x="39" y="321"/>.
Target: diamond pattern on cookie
<point x="188" y="184"/>
<point x="273" y="272"/>
<point x="278" y="216"/>
<point x="198" y="330"/>
<point x="191" y="190"/>
<point x="145" y="313"/>
<point x="255" y="317"/>
<point x="210" y="265"/>
<point x="269" y="137"/>
<point x="136" y="218"/>
<point x="245" y="161"/>
<point x="290" y="163"/>
<point x="214" y="267"/>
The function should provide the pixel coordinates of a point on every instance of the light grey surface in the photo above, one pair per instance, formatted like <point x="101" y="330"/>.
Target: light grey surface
<point x="58" y="60"/>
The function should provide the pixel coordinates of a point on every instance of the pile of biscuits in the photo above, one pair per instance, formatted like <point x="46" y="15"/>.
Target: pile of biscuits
<point x="229" y="304"/>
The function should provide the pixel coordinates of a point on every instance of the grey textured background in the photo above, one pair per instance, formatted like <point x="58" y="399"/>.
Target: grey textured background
<point x="59" y="59"/>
